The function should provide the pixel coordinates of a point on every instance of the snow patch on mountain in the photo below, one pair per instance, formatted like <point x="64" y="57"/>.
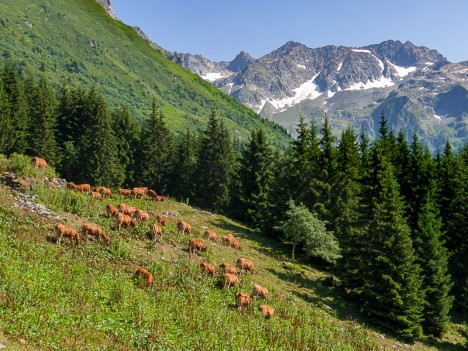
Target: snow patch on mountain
<point x="213" y="76"/>
<point x="402" y="71"/>
<point x="383" y="82"/>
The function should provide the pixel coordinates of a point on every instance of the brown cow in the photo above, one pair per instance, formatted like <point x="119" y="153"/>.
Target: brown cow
<point x="124" y="220"/>
<point x="161" y="220"/>
<point x="95" y="195"/>
<point x="126" y="209"/>
<point x="140" y="216"/>
<point x="98" y="189"/>
<point x="259" y="290"/>
<point x="153" y="194"/>
<point x="160" y="198"/>
<point x="266" y="310"/>
<point x="68" y="232"/>
<point x="184" y="228"/>
<point x="147" y="276"/>
<point x="196" y="245"/>
<point x="38" y="162"/>
<point x="245" y="265"/>
<point x="225" y="239"/>
<point x="230" y="279"/>
<point x="111" y="210"/>
<point x="72" y="186"/>
<point x="140" y="192"/>
<point x="235" y="244"/>
<point x="155" y="230"/>
<point x="106" y="192"/>
<point x="211" y="235"/>
<point x="207" y="268"/>
<point x="228" y="268"/>
<point x="83" y="188"/>
<point x="93" y="230"/>
<point x="243" y="300"/>
<point x="125" y="192"/>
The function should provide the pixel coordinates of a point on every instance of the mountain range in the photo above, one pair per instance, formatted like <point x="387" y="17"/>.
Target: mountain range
<point x="417" y="89"/>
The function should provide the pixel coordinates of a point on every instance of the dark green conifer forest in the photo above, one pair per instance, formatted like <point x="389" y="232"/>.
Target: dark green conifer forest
<point x="395" y="216"/>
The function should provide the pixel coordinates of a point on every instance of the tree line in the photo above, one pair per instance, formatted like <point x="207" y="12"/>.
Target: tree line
<point x="387" y="217"/>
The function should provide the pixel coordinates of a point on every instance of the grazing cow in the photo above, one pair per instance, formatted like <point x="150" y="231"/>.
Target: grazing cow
<point x="225" y="239"/>
<point x="184" y="228"/>
<point x="106" y="192"/>
<point x="68" y="232"/>
<point x="126" y="209"/>
<point x="95" y="195"/>
<point x="228" y="268"/>
<point x="155" y="230"/>
<point x="245" y="265"/>
<point x="98" y="189"/>
<point x="160" y="198"/>
<point x="72" y="186"/>
<point x="211" y="235"/>
<point x="125" y="192"/>
<point x="153" y="194"/>
<point x="141" y="216"/>
<point x="140" y="192"/>
<point x="161" y="220"/>
<point x="124" y="220"/>
<point x="111" y="210"/>
<point x="230" y="279"/>
<point x="207" y="268"/>
<point x="147" y="276"/>
<point x="243" y="300"/>
<point x="196" y="245"/>
<point x="235" y="244"/>
<point x="259" y="290"/>
<point x="266" y="310"/>
<point x="83" y="188"/>
<point x="38" y="162"/>
<point x="93" y="230"/>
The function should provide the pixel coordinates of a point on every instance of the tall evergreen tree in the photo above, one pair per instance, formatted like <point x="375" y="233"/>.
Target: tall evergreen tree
<point x="214" y="166"/>
<point x="156" y="151"/>
<point x="127" y="133"/>
<point x="5" y="121"/>
<point x="389" y="273"/>
<point x="99" y="146"/>
<point x="255" y="181"/>
<point x="44" y="124"/>
<point x="16" y="134"/>
<point x="433" y="259"/>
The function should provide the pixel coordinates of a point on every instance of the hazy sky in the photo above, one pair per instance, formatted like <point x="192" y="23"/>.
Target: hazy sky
<point x="220" y="29"/>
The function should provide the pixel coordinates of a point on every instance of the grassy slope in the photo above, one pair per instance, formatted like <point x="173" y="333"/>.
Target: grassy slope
<point x="70" y="298"/>
<point x="76" y="41"/>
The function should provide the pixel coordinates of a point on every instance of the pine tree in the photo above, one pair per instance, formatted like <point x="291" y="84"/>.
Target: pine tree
<point x="214" y="166"/>
<point x="44" y="124"/>
<point x="5" y="121"/>
<point x="255" y="181"/>
<point x="127" y="133"/>
<point x="101" y="163"/>
<point x="433" y="259"/>
<point x="391" y="277"/>
<point x="156" y="151"/>
<point x="16" y="131"/>
<point x="183" y="170"/>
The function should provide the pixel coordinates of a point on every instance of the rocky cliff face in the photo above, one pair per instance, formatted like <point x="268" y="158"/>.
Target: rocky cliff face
<point x="108" y="7"/>
<point x="417" y="88"/>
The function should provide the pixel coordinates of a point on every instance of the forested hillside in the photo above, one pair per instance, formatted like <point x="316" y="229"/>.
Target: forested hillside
<point x="77" y="43"/>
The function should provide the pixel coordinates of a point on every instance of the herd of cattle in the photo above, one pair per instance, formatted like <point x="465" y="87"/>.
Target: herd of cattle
<point x="128" y="216"/>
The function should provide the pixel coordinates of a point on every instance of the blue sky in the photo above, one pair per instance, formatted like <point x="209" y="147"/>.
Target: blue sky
<point x="220" y="29"/>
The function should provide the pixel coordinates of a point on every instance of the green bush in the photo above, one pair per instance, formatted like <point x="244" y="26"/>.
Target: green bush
<point x="21" y="165"/>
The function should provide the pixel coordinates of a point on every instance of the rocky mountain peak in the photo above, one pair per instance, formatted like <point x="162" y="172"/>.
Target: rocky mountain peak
<point x="108" y="7"/>
<point x="241" y="61"/>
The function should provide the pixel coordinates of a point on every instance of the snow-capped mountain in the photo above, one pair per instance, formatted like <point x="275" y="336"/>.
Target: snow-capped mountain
<point x="417" y="88"/>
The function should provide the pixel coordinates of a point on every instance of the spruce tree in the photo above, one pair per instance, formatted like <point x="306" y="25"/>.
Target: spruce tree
<point x="127" y="133"/>
<point x="255" y="181"/>
<point x="44" y="123"/>
<point x="17" y="139"/>
<point x="101" y="165"/>
<point x="389" y="272"/>
<point x="156" y="151"/>
<point x="214" y="166"/>
<point x="5" y="121"/>
<point x="433" y="259"/>
<point x="184" y="164"/>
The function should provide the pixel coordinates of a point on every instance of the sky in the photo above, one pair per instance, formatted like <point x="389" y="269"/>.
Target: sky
<point x="220" y="29"/>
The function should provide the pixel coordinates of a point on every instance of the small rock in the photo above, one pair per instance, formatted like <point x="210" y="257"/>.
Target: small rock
<point x="2" y="346"/>
<point x="381" y="336"/>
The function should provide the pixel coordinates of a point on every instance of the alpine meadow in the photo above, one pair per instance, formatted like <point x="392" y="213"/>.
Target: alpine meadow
<point x="142" y="208"/>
